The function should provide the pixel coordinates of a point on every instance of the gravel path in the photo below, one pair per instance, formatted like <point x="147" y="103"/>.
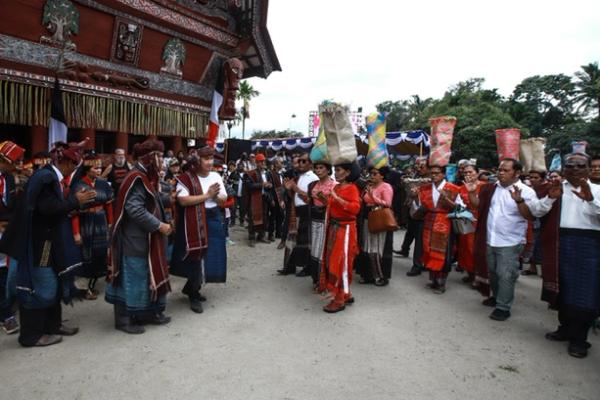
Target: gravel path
<point x="263" y="336"/>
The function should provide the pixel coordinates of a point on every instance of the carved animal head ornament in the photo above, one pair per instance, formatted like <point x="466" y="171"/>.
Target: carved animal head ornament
<point x="234" y="72"/>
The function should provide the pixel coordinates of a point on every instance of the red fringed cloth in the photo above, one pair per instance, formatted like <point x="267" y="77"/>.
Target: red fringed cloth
<point x="437" y="227"/>
<point x="341" y="242"/>
<point x="549" y="236"/>
<point x="255" y="201"/>
<point x="466" y="243"/>
<point x="481" y="268"/>
<point x="194" y="219"/>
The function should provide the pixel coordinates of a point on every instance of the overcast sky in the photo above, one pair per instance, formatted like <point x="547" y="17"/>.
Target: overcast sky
<point x="365" y="52"/>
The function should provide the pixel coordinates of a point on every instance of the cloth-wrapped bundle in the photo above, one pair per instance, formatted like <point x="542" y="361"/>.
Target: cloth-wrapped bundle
<point x="579" y="147"/>
<point x="341" y="145"/>
<point x="442" y="132"/>
<point x="532" y="155"/>
<point x="507" y="141"/>
<point x="319" y="154"/>
<point x="377" y="157"/>
<point x="451" y="170"/>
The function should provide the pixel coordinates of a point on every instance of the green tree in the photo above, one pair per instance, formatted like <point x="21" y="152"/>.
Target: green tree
<point x="246" y="93"/>
<point x="479" y="113"/>
<point x="397" y="114"/>
<point x="588" y="89"/>
<point x="543" y="103"/>
<point x="273" y="134"/>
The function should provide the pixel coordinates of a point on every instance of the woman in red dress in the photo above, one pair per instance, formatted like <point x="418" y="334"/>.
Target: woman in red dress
<point x="466" y="243"/>
<point x="341" y="243"/>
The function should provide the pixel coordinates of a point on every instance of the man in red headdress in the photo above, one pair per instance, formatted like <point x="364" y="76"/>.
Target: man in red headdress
<point x="10" y="153"/>
<point x="47" y="255"/>
<point x="138" y="270"/>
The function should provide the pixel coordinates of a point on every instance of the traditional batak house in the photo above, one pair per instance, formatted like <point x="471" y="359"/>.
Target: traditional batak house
<point x="127" y="68"/>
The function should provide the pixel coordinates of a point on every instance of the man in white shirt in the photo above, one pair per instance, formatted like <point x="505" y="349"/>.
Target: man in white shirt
<point x="199" y="252"/>
<point x="300" y="255"/>
<point x="501" y="236"/>
<point x="571" y="259"/>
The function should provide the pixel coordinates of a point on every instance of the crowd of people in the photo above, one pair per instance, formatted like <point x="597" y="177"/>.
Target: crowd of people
<point x="65" y="215"/>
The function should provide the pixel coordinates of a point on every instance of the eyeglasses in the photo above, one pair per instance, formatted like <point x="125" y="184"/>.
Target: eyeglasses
<point x="577" y="166"/>
<point x="303" y="161"/>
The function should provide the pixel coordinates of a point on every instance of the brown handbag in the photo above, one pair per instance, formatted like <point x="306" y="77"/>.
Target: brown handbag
<point x="381" y="219"/>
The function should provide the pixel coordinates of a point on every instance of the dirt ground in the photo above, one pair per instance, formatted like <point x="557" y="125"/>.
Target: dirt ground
<point x="264" y="336"/>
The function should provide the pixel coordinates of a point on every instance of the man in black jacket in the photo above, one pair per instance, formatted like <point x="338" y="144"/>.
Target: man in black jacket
<point x="48" y="256"/>
<point x="259" y="189"/>
<point x="9" y="154"/>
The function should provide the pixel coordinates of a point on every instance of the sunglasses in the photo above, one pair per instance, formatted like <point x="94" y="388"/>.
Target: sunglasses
<point x="577" y="166"/>
<point x="303" y="161"/>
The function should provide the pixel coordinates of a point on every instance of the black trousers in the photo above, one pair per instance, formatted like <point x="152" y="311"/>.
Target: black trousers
<point x="575" y="324"/>
<point x="300" y="256"/>
<point x="414" y="232"/>
<point x="275" y="220"/>
<point x="38" y="322"/>
<point x="239" y="210"/>
<point x="6" y="307"/>
<point x="409" y="236"/>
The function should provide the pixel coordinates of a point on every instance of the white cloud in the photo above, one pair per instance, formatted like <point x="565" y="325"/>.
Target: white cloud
<point x="362" y="53"/>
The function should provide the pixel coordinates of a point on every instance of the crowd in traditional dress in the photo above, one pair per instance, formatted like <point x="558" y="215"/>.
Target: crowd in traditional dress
<point x="136" y="223"/>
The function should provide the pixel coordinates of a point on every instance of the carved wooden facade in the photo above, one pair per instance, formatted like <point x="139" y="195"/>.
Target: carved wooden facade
<point x="141" y="67"/>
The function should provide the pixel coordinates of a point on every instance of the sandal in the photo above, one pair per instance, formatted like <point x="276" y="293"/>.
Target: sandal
<point x="90" y="295"/>
<point x="381" y="282"/>
<point x="528" y="272"/>
<point x="334" y="307"/>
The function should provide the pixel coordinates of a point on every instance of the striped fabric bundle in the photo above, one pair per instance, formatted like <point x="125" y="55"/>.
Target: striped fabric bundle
<point x="377" y="157"/>
<point x="319" y="154"/>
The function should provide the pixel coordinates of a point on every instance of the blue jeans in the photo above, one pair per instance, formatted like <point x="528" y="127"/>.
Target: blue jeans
<point x="503" y="266"/>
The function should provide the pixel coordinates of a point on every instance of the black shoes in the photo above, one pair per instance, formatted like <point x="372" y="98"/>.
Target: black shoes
<point x="196" y="306"/>
<point x="48" y="340"/>
<point x="156" y="319"/>
<point x="578" y="350"/>
<point x="439" y="289"/>
<point x="304" y="272"/>
<point x="414" y="271"/>
<point x="500" y="315"/>
<point x="401" y="253"/>
<point x="556" y="336"/>
<point x="285" y="272"/>
<point x="67" y="330"/>
<point x="489" y="302"/>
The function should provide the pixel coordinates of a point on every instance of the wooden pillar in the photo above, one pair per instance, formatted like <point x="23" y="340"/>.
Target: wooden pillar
<point x="176" y="144"/>
<point x="39" y="139"/>
<point x="122" y="141"/>
<point x="91" y="134"/>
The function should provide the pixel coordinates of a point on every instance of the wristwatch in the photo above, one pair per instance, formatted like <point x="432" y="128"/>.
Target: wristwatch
<point x="519" y="201"/>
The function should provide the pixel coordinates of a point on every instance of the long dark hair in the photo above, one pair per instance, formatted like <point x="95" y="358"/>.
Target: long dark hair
<point x="354" y="170"/>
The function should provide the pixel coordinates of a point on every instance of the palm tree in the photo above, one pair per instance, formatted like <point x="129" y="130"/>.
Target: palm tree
<point x="588" y="88"/>
<point x="246" y="93"/>
<point x="234" y="122"/>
